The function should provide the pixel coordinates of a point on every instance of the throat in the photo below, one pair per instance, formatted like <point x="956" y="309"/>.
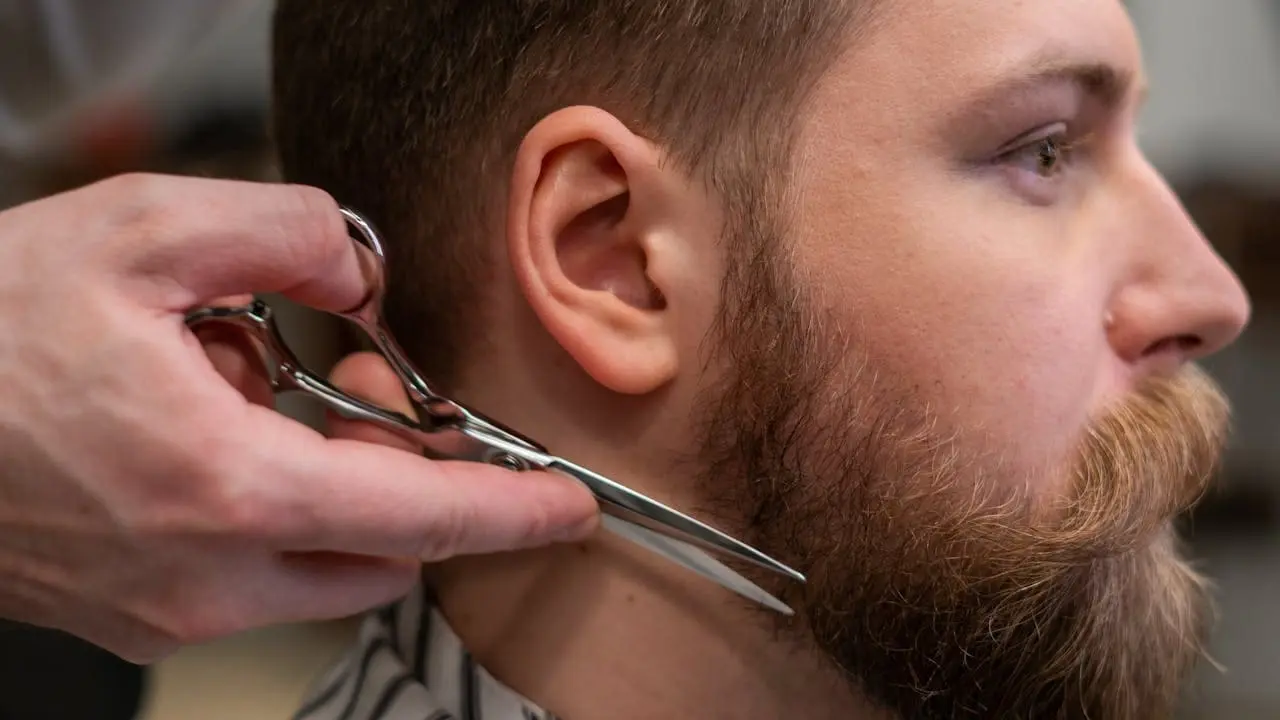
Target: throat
<point x="603" y="629"/>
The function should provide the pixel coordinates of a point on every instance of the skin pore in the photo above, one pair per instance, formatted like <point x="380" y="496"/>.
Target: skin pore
<point x="951" y="384"/>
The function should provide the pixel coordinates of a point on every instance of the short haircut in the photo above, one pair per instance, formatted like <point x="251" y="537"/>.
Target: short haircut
<point x="411" y="111"/>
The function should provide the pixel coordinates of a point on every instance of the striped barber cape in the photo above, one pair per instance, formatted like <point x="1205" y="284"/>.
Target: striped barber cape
<point x="409" y="665"/>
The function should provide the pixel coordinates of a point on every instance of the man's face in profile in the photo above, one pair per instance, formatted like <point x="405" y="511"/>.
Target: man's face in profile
<point x="960" y="391"/>
<point x="951" y="383"/>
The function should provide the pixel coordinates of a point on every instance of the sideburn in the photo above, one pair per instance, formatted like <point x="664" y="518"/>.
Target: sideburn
<point x="937" y="593"/>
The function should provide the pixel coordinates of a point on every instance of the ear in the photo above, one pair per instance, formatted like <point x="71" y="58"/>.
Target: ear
<point x="589" y="237"/>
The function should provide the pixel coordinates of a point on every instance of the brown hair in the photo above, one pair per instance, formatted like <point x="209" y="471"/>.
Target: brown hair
<point x="410" y="111"/>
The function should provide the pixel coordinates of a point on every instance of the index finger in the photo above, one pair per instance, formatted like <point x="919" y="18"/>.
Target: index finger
<point x="228" y="237"/>
<point x="379" y="496"/>
<point x="372" y="500"/>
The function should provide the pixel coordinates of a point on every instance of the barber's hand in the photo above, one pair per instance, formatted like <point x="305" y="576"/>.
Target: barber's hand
<point x="148" y="499"/>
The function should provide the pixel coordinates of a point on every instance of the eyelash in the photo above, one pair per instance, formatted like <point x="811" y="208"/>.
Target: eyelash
<point x="1050" y="153"/>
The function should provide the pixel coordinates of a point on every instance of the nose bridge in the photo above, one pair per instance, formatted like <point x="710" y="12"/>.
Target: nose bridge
<point x="1181" y="288"/>
<point x="1177" y="247"/>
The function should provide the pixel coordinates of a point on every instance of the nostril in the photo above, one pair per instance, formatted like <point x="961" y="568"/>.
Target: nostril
<point x="1179" y="344"/>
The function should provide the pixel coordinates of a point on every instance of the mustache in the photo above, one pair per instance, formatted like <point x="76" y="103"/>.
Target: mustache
<point x="1146" y="460"/>
<point x="1153" y="457"/>
<point x="942" y="590"/>
<point x="1106" y="554"/>
<point x="939" y="584"/>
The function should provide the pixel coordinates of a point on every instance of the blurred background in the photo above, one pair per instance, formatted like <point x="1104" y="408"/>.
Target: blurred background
<point x="1212" y="126"/>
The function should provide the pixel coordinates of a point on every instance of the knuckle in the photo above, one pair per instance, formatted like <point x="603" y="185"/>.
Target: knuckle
<point x="175" y="617"/>
<point x="538" y="526"/>
<point x="246" y="504"/>
<point x="131" y="187"/>
<point x="141" y="214"/>
<point x="162" y="484"/>
<point x="321" y="241"/>
<point x="134" y="196"/>
<point x="447" y="537"/>
<point x="246" y="507"/>
<point x="239" y="508"/>
<point x="199" y="492"/>
<point x="192" y="614"/>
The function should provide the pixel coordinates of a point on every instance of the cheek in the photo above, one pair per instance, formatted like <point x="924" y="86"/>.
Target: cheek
<point x="1000" y="337"/>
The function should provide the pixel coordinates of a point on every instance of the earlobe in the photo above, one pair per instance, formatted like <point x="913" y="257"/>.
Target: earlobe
<point x="582" y="234"/>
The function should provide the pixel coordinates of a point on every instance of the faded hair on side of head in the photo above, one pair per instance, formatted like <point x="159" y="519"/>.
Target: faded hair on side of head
<point x="411" y="112"/>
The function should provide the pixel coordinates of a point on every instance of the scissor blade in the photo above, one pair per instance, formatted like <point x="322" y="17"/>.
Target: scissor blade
<point x="669" y="522"/>
<point x="694" y="559"/>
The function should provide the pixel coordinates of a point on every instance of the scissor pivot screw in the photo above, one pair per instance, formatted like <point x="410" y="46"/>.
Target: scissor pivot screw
<point x="510" y="462"/>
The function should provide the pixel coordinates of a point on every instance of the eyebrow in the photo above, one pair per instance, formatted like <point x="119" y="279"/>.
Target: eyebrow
<point x="1107" y="84"/>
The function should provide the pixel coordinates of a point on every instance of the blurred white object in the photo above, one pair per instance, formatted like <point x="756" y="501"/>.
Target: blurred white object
<point x="61" y="58"/>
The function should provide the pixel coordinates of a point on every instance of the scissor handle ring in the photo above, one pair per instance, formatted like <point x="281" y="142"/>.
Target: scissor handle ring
<point x="370" y="308"/>
<point x="368" y="314"/>
<point x="367" y="234"/>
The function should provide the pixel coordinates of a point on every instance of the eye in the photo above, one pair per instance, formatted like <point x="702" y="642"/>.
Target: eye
<point x="1036" y="164"/>
<point x="1046" y="156"/>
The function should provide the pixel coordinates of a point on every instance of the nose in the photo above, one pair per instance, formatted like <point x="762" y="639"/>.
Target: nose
<point x="1181" y="302"/>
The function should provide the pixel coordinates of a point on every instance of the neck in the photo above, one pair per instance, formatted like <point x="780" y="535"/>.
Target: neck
<point x="602" y="629"/>
<point x="605" y="629"/>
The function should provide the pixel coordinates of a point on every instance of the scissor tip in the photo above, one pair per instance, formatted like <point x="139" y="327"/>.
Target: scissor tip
<point x="781" y="608"/>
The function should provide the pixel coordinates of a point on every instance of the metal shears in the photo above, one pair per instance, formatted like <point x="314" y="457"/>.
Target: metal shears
<point x="449" y="429"/>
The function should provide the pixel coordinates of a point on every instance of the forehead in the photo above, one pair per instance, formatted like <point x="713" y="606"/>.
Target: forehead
<point x="923" y="54"/>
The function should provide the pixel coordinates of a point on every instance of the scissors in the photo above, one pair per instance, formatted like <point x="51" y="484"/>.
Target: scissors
<point x="447" y="429"/>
